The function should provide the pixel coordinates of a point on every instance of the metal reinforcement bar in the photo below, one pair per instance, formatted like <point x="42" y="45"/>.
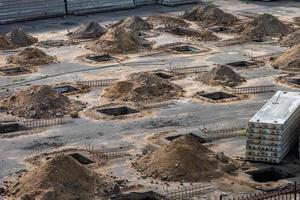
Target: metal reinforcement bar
<point x="213" y="135"/>
<point x="290" y="192"/>
<point x="188" y="192"/>
<point x="29" y="124"/>
<point x="97" y="83"/>
<point x="189" y="70"/>
<point x="254" y="89"/>
<point x="109" y="152"/>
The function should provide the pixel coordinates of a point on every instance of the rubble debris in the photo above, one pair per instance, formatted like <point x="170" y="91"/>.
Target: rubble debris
<point x="185" y="159"/>
<point x="87" y="30"/>
<point x="31" y="56"/>
<point x="198" y="35"/>
<point x="210" y="15"/>
<point x="221" y="75"/>
<point x="119" y="41"/>
<point x="61" y="178"/>
<point x="288" y="57"/>
<point x="143" y="87"/>
<point x="167" y="20"/>
<point x="37" y="102"/>
<point x="265" y="25"/>
<point x="5" y="44"/>
<point x="20" y="38"/>
<point x="291" y="40"/>
<point x="133" y="23"/>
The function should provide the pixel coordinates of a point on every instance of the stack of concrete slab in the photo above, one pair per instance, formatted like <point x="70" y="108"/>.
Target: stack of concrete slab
<point x="275" y="128"/>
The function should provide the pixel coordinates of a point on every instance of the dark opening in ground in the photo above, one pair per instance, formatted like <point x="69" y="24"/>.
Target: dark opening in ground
<point x="11" y="71"/>
<point x="163" y="75"/>
<point x="294" y="81"/>
<point x="138" y="196"/>
<point x="99" y="58"/>
<point x="240" y="64"/>
<point x="81" y="158"/>
<point x="116" y="111"/>
<point x="186" y="48"/>
<point x="11" y="127"/>
<point x="64" y="89"/>
<point x="174" y="137"/>
<point x="219" y="29"/>
<point x="269" y="174"/>
<point x="217" y="95"/>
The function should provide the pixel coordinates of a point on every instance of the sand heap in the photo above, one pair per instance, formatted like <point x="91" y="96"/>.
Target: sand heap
<point x="198" y="35"/>
<point x="167" y="20"/>
<point x="37" y="102"/>
<point x="60" y="178"/>
<point x="88" y="30"/>
<point x="265" y="25"/>
<point x="133" y="23"/>
<point x="5" y="44"/>
<point x="288" y="60"/>
<point x="210" y="15"/>
<point x="291" y="40"/>
<point x="19" y="38"/>
<point x="118" y="41"/>
<point x="221" y="75"/>
<point x="185" y="159"/>
<point x="31" y="56"/>
<point x="143" y="87"/>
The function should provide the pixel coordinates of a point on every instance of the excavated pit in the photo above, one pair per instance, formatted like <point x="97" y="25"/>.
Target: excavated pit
<point x="118" y="111"/>
<point x="174" y="137"/>
<point x="217" y="96"/>
<point x="163" y="75"/>
<point x="10" y="127"/>
<point x="295" y="81"/>
<point x="186" y="49"/>
<point x="239" y="64"/>
<point x="99" y="58"/>
<point x="219" y="29"/>
<point x="81" y="158"/>
<point x="65" y="89"/>
<point x="269" y="174"/>
<point x="12" y="71"/>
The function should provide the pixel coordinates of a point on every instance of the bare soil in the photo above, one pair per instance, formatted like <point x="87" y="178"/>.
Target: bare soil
<point x="167" y="20"/>
<point x="20" y="38"/>
<point x="133" y="23"/>
<point x="291" y="40"/>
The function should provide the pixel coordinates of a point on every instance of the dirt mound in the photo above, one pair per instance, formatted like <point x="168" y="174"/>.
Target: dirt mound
<point x="265" y="25"/>
<point x="19" y="38"/>
<point x="143" y="87"/>
<point x="118" y="41"/>
<point x="5" y="44"/>
<point x="210" y="15"/>
<point x="291" y="40"/>
<point x="185" y="159"/>
<point x="133" y="23"/>
<point x="289" y="56"/>
<point x="221" y="75"/>
<point x="60" y="178"/>
<point x="292" y="66"/>
<point x="88" y="30"/>
<point x="37" y="102"/>
<point x="31" y="56"/>
<point x="167" y="20"/>
<point x="198" y="35"/>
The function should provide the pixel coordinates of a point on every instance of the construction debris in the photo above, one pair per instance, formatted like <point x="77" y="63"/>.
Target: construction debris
<point x="167" y="20"/>
<point x="221" y="75"/>
<point x="210" y="15"/>
<point x="289" y="56"/>
<point x="31" y="56"/>
<point x="119" y="41"/>
<point x="134" y="23"/>
<point x="143" y="87"/>
<point x="5" y="44"/>
<point x="265" y="25"/>
<point x="184" y="159"/>
<point x="20" y="38"/>
<point x="87" y="30"/>
<point x="291" y="40"/>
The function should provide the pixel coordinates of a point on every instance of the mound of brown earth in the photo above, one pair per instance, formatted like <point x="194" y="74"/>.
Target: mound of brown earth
<point x="19" y="38"/>
<point x="291" y="40"/>
<point x="5" y="44"/>
<point x="221" y="75"/>
<point x="60" y="178"/>
<point x="199" y="35"/>
<point x="88" y="30"/>
<point x="265" y="25"/>
<point x="118" y="41"/>
<point x="133" y="23"/>
<point x="166" y="20"/>
<point x="143" y="87"/>
<point x="31" y="56"/>
<point x="289" y="56"/>
<point x="210" y="15"/>
<point x="37" y="102"/>
<point x="292" y="66"/>
<point x="184" y="159"/>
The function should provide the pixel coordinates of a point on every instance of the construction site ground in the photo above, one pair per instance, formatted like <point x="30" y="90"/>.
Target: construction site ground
<point x="182" y="115"/>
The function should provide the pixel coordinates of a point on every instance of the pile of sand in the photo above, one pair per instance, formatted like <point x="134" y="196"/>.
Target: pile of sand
<point x="143" y="87"/>
<point x="290" y="55"/>
<point x="198" y="35"/>
<point x="60" y="178"/>
<point x="292" y="66"/>
<point x="37" y="102"/>
<point x="31" y="56"/>
<point x="291" y="40"/>
<point x="265" y="25"/>
<point x="184" y="159"/>
<point x="88" y="30"/>
<point x="221" y="75"/>
<point x="19" y="38"/>
<point x="167" y="20"/>
<point x="118" y="41"/>
<point x="210" y="15"/>
<point x="133" y="23"/>
<point x="5" y="44"/>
